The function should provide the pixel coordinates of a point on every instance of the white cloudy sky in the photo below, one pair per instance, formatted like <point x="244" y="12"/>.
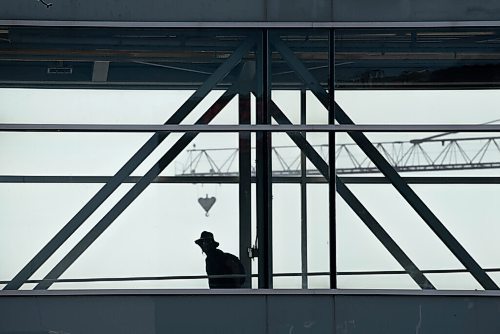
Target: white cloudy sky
<point x="154" y="236"/>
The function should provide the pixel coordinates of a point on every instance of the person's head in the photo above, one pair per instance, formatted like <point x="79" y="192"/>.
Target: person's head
<point x="207" y="242"/>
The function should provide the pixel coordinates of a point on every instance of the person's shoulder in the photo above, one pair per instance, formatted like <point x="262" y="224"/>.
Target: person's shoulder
<point x="219" y="253"/>
<point x="234" y="263"/>
<point x="231" y="256"/>
<point x="232" y="259"/>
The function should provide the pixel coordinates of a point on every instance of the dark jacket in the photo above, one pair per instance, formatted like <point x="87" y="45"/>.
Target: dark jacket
<point x="220" y="263"/>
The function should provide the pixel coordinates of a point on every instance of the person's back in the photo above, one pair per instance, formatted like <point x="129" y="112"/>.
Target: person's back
<point x="219" y="263"/>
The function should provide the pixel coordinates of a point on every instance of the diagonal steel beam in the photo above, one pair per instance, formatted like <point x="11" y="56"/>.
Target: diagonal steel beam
<point x="386" y="240"/>
<point x="134" y="192"/>
<point x="43" y="255"/>
<point x="402" y="187"/>
<point x="354" y="203"/>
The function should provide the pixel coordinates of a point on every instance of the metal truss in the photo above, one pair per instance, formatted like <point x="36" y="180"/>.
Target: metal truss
<point x="405" y="156"/>
<point x="370" y="221"/>
<point x="378" y="156"/>
<point x="48" y="250"/>
<point x="384" y="166"/>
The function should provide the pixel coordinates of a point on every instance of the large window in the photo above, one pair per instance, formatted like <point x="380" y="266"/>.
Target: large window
<point x="322" y="158"/>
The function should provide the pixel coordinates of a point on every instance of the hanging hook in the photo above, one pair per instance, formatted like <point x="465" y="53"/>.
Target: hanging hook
<point x="206" y="203"/>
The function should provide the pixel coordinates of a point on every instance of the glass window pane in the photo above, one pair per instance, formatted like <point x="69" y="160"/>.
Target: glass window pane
<point x="318" y="247"/>
<point x="418" y="76"/>
<point x="286" y="229"/>
<point x="376" y="282"/>
<point x="455" y="281"/>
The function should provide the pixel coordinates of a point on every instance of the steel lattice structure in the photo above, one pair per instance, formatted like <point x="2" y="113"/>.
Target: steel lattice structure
<point x="429" y="154"/>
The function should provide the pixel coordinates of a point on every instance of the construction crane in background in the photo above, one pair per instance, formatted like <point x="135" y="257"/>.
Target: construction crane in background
<point x="436" y="153"/>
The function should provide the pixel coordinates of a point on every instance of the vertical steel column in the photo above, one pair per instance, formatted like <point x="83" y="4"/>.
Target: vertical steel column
<point x="245" y="187"/>
<point x="331" y="161"/>
<point x="263" y="164"/>
<point x="303" y="194"/>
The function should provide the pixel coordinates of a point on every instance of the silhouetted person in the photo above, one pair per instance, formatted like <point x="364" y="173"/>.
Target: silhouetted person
<point x="220" y="263"/>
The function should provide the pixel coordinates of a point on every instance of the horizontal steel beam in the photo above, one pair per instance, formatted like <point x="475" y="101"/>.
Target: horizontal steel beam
<point x="252" y="24"/>
<point x="218" y="179"/>
<point x="17" y="127"/>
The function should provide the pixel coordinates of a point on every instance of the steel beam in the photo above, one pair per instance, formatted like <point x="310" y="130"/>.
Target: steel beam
<point x="228" y="179"/>
<point x="440" y="180"/>
<point x="354" y="203"/>
<point x="263" y="165"/>
<point x="383" y="236"/>
<point x="332" y="189"/>
<point x="233" y="24"/>
<point x="134" y="192"/>
<point x="17" y="127"/>
<point x="245" y="188"/>
<point x="402" y="187"/>
<point x="303" y="194"/>
<point x="128" y="168"/>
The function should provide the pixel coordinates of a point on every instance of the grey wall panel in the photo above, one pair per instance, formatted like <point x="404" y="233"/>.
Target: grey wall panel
<point x="133" y="314"/>
<point x="416" y="10"/>
<point x="247" y="11"/>
<point x="299" y="10"/>
<point x="417" y="314"/>
<point x="312" y="314"/>
<point x="273" y="312"/>
<point x="80" y="314"/>
<point x="210" y="314"/>
<point x="129" y="10"/>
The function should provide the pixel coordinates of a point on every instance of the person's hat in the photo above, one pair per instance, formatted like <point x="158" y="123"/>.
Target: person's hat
<point x="206" y="236"/>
